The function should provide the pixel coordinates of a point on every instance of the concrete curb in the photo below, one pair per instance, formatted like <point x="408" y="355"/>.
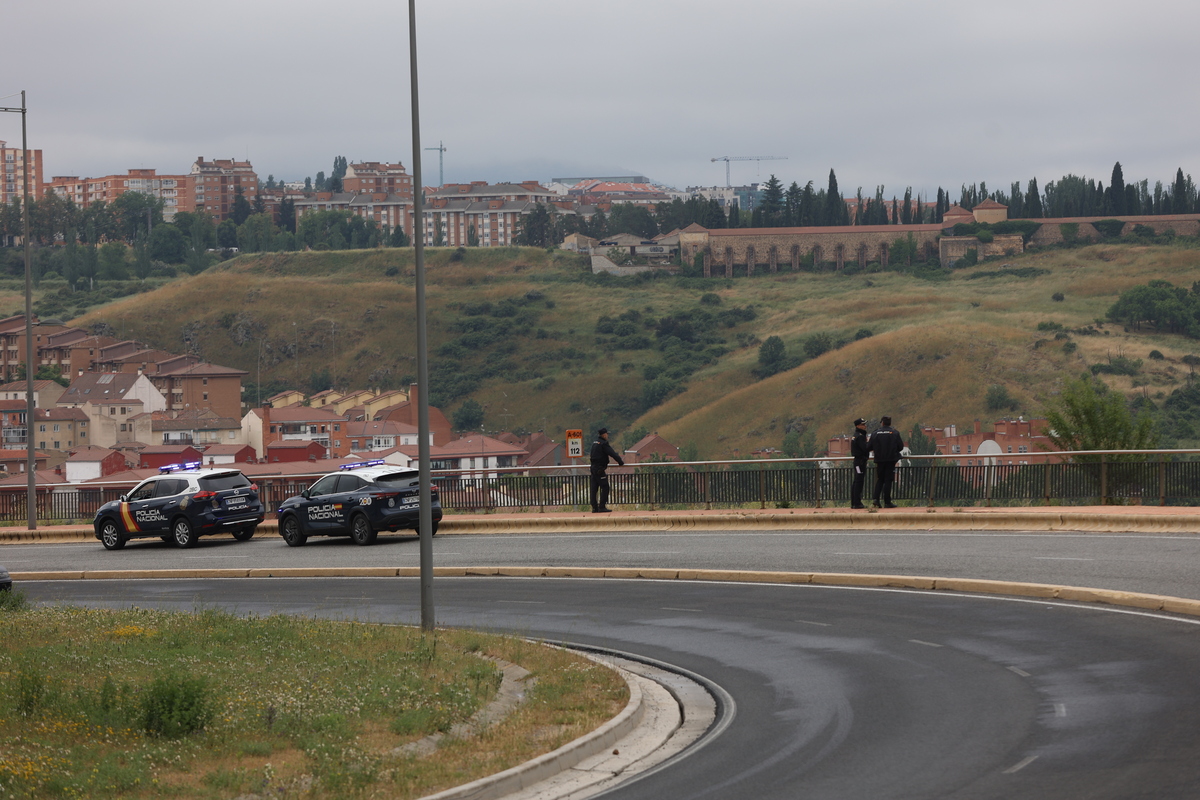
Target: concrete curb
<point x="904" y="520"/>
<point x="570" y="754"/>
<point x="1044" y="591"/>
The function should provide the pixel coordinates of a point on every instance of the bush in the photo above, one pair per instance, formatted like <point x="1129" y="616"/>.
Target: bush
<point x="970" y="259"/>
<point x="818" y="344"/>
<point x="175" y="706"/>
<point x="1109" y="228"/>
<point x="1069" y="231"/>
<point x="710" y="299"/>
<point x="1120" y="365"/>
<point x="1155" y="355"/>
<point x="1058" y="297"/>
<point x="998" y="399"/>
<point x="863" y="333"/>
<point x="1049" y="326"/>
<point x="1144" y="231"/>
<point x="985" y="236"/>
<point x="1069" y="348"/>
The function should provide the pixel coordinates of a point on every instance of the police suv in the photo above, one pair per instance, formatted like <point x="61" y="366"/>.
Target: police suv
<point x="358" y="501"/>
<point x="181" y="504"/>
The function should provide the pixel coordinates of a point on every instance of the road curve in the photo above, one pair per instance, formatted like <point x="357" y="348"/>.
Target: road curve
<point x="840" y="692"/>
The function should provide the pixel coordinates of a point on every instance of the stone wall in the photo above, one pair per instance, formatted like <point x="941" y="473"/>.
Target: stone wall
<point x="953" y="248"/>
<point x="1051" y="230"/>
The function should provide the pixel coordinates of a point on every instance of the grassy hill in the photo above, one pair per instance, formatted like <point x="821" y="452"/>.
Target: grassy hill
<point x="516" y="330"/>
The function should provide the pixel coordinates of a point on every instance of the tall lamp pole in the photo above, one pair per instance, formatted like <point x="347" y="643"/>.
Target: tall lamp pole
<point x="31" y="460"/>
<point x="426" y="511"/>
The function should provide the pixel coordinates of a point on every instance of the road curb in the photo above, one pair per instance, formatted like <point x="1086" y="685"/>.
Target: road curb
<point x="1043" y="591"/>
<point x="903" y="520"/>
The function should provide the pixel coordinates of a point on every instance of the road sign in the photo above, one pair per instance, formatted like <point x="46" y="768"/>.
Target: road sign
<point x="575" y="444"/>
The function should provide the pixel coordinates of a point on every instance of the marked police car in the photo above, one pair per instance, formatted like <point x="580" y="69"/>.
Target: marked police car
<point x="358" y="501"/>
<point x="181" y="504"/>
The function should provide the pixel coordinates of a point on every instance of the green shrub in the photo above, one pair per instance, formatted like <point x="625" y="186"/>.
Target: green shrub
<point x="863" y="333"/>
<point x="1069" y="348"/>
<point x="1069" y="231"/>
<point x="1156" y="355"/>
<point x="175" y="706"/>
<point x="985" y="236"/>
<point x="1144" y="231"/>
<point x="1119" y="365"/>
<point x="1109" y="228"/>
<point x="710" y="299"/>
<point x="1049" y="326"/>
<point x="998" y="399"/>
<point x="1058" y="297"/>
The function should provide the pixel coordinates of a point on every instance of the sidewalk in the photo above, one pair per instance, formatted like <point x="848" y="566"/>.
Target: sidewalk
<point x="1132" y="519"/>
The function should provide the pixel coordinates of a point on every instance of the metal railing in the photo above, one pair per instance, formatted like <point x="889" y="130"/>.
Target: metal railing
<point x="1145" y="477"/>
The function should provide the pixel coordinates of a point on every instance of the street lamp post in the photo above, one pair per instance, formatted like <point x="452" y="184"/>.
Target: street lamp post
<point x="426" y="510"/>
<point x="31" y="459"/>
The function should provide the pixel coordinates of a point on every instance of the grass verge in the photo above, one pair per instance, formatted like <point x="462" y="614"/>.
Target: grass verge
<point x="144" y="703"/>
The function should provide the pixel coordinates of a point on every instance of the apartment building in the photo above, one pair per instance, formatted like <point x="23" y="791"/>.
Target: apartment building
<point x="12" y="343"/>
<point x="171" y="189"/>
<point x="390" y="211"/>
<point x="296" y="424"/>
<point x="215" y="185"/>
<point x="12" y="176"/>
<point x="378" y="177"/>
<point x="45" y="393"/>
<point x="61" y="429"/>
<point x="73" y="350"/>
<point x="492" y="210"/>
<point x="188" y="383"/>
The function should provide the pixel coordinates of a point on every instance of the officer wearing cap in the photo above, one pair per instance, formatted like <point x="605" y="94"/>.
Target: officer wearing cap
<point x="859" y="449"/>
<point x="601" y="452"/>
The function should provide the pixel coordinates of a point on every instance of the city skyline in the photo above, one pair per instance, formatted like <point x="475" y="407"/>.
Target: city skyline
<point x="925" y="94"/>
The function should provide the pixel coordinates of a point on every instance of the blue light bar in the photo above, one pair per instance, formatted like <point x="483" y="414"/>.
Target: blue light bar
<point x="184" y="466"/>
<point x="361" y="464"/>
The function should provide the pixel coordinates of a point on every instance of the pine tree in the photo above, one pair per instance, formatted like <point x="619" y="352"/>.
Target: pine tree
<point x="770" y="208"/>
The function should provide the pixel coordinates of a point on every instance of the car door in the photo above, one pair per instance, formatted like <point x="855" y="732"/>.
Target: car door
<point x="139" y="512"/>
<point x="345" y="500"/>
<point x="320" y="512"/>
<point x="163" y="506"/>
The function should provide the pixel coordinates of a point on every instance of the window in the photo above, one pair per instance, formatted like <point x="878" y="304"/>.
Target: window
<point x="206" y="397"/>
<point x="112" y="411"/>
<point x="56" y="427"/>
<point x="41" y="428"/>
<point x="57" y="445"/>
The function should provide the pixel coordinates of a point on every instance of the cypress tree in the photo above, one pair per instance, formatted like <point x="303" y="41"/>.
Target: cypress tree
<point x="1116" y="191"/>
<point x="907" y="215"/>
<point x="734" y="215"/>
<point x="1033" y="201"/>
<point x="1180" y="202"/>
<point x="836" y="212"/>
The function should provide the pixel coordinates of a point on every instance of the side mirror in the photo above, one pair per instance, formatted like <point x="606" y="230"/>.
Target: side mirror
<point x="304" y="494"/>
<point x="122" y="499"/>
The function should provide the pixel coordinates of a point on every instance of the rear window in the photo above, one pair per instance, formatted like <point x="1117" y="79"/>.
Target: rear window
<point x="395" y="478"/>
<point x="225" y="480"/>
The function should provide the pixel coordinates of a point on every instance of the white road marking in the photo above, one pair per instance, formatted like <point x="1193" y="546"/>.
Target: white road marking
<point x="525" y="602"/>
<point x="927" y="644"/>
<point x="649" y="552"/>
<point x="1060" y="709"/>
<point x="1020" y="765"/>
<point x="864" y="554"/>
<point x="809" y="622"/>
<point x="1060" y="558"/>
<point x="215" y="558"/>
<point x="669" y="608"/>
<point x="1019" y="671"/>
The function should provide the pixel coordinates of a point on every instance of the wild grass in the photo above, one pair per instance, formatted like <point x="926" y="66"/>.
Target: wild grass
<point x="145" y="704"/>
<point x="288" y="316"/>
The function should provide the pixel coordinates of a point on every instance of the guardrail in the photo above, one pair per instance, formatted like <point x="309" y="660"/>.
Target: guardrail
<point x="1146" y="477"/>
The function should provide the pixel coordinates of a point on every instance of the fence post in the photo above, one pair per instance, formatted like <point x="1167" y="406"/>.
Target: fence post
<point x="541" y="479"/>
<point x="762" y="486"/>
<point x="653" y="488"/>
<point x="1162" y="482"/>
<point x="704" y="483"/>
<point x="1103" y="480"/>
<point x="820" y="479"/>
<point x="1046" y="464"/>
<point x="932" y="480"/>
<point x="988" y="474"/>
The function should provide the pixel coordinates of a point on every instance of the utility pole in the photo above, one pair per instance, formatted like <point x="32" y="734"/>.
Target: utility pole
<point x="441" y="148"/>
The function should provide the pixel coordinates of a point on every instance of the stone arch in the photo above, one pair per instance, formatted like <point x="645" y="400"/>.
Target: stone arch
<point x="773" y="258"/>
<point x="862" y="254"/>
<point x="751" y="260"/>
<point x="883" y="254"/>
<point x="840" y="255"/>
<point x="818" y="255"/>
<point x="728" y="262"/>
<point x="795" y="258"/>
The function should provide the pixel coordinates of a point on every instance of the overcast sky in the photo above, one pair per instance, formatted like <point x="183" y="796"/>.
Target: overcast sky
<point x="898" y="92"/>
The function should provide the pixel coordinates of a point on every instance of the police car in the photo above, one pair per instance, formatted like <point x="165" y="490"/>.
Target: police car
<point x="181" y="504"/>
<point x="358" y="501"/>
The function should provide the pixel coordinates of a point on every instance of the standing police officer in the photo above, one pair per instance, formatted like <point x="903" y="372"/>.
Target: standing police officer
<point x="859" y="449"/>
<point x="601" y="452"/>
<point x="886" y="444"/>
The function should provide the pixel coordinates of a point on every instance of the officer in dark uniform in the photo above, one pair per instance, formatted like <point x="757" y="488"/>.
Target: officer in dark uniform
<point x="886" y="444"/>
<point x="859" y="449"/>
<point x="601" y="452"/>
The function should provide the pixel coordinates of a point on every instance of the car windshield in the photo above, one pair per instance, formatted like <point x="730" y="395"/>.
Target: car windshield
<point x="395" y="478"/>
<point x="224" y="480"/>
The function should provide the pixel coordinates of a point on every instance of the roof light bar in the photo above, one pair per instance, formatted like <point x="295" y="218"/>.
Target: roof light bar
<point x="184" y="466"/>
<point x="359" y="465"/>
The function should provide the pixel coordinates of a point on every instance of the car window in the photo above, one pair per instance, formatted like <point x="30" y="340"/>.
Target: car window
<point x="143" y="492"/>
<point x="324" y="486"/>
<point x="396" y="478"/>
<point x="224" y="480"/>
<point x="349" y="483"/>
<point x="169" y="487"/>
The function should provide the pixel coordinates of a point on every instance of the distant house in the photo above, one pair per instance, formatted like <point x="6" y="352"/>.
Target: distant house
<point x="164" y="454"/>
<point x="295" y="450"/>
<point x="89" y="463"/>
<point x="228" y="454"/>
<point x="651" y="447"/>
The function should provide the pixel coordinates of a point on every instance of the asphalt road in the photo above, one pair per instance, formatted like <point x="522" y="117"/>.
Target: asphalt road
<point x="840" y="692"/>
<point x="1158" y="564"/>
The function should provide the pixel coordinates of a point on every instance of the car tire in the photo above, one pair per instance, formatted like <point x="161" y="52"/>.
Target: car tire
<point x="433" y="529"/>
<point x="183" y="533"/>
<point x="361" y="531"/>
<point x="111" y="535"/>
<point x="244" y="534"/>
<point x="289" y="529"/>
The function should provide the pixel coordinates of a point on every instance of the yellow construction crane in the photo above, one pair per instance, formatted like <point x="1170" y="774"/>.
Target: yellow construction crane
<point x="727" y="159"/>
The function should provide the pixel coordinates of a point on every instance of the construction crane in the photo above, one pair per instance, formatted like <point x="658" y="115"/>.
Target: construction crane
<point x="441" y="148"/>
<point x="727" y="159"/>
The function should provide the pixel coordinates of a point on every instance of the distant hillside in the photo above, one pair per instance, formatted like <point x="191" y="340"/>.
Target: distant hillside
<point x="517" y="330"/>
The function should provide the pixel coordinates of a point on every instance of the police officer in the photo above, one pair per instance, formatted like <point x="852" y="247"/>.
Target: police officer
<point x="859" y="449"/>
<point x="601" y="452"/>
<point x="886" y="444"/>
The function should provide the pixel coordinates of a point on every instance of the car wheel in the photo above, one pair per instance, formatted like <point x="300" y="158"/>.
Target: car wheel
<point x="111" y="535"/>
<point x="361" y="531"/>
<point x="289" y="529"/>
<point x="182" y="532"/>
<point x="244" y="534"/>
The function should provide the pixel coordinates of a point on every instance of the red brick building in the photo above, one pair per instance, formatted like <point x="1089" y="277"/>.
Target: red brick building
<point x="12" y="173"/>
<point x="215" y="185"/>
